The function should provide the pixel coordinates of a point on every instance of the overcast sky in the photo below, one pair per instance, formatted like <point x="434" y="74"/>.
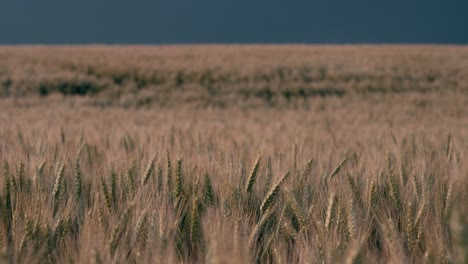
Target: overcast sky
<point x="234" y="21"/>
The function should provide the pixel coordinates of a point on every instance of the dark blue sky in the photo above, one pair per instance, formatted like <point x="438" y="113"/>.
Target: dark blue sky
<point x="234" y="21"/>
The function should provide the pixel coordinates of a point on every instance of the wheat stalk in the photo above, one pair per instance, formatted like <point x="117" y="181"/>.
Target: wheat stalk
<point x="298" y="216"/>
<point x="272" y="194"/>
<point x="77" y="179"/>
<point x="331" y="208"/>
<point x="113" y="188"/>
<point x="179" y="181"/>
<point x="139" y="234"/>
<point x="410" y="227"/>
<point x="39" y="173"/>
<point x="393" y="184"/>
<point x="194" y="222"/>
<point x="448" y="200"/>
<point x="259" y="228"/>
<point x="149" y="170"/>
<point x="354" y="189"/>
<point x="253" y="176"/>
<point x="269" y="173"/>
<point x="209" y="192"/>
<point x="129" y="183"/>
<point x="57" y="188"/>
<point x="337" y="169"/>
<point x="169" y="174"/>
<point x="159" y="173"/>
<point x="351" y="220"/>
<point x="106" y="194"/>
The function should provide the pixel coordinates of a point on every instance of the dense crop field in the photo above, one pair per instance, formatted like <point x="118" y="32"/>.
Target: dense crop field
<point x="223" y="76"/>
<point x="235" y="154"/>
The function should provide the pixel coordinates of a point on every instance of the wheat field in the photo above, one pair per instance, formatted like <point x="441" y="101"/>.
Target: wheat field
<point x="234" y="154"/>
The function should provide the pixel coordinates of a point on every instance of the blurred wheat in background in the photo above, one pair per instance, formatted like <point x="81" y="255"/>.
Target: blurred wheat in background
<point x="234" y="154"/>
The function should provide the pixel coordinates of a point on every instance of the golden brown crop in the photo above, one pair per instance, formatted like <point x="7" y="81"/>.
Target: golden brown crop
<point x="371" y="174"/>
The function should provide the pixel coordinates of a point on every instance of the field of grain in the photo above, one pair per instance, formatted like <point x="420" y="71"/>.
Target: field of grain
<point x="234" y="154"/>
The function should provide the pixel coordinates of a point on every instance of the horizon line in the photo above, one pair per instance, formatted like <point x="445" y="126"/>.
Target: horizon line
<point x="36" y="44"/>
